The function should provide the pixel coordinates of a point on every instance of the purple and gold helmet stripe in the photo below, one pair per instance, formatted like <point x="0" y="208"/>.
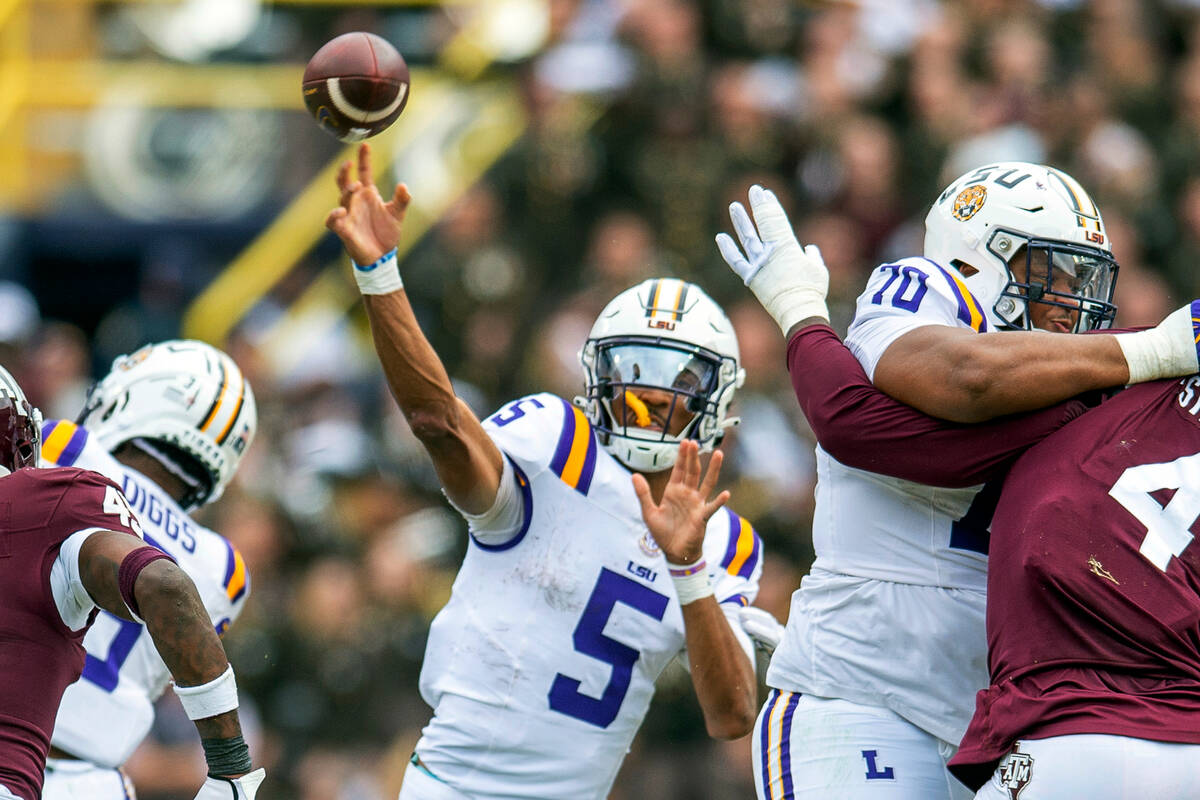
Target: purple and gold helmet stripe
<point x="652" y="302"/>
<point x="741" y="555"/>
<point x="661" y="290"/>
<point x="575" y="456"/>
<point x="1081" y="202"/>
<point x="969" y="310"/>
<point x="233" y="385"/>
<point x="235" y="574"/>
<point x="62" y="442"/>
<point x="776" y="734"/>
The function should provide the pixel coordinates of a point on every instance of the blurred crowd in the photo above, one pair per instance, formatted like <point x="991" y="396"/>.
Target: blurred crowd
<point x="647" y="117"/>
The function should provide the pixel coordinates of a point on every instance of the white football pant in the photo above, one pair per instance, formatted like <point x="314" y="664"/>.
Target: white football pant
<point x="1096" y="767"/>
<point x="68" y="779"/>
<point x="813" y="748"/>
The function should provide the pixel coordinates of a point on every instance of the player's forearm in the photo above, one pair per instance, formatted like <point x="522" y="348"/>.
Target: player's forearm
<point x="967" y="377"/>
<point x="468" y="464"/>
<point x="722" y="675"/>
<point x="415" y="374"/>
<point x="862" y="427"/>
<point x="184" y="637"/>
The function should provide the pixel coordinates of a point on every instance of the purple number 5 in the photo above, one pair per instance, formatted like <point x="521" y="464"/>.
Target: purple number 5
<point x="611" y="588"/>
<point x="514" y="412"/>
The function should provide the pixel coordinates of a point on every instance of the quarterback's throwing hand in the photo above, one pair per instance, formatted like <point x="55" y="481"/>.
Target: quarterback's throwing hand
<point x="243" y="788"/>
<point x="367" y="226"/>
<point x="677" y="523"/>
<point x="789" y="280"/>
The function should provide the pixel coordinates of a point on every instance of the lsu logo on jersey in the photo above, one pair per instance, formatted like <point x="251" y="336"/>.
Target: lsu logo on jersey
<point x="1016" y="771"/>
<point x="969" y="201"/>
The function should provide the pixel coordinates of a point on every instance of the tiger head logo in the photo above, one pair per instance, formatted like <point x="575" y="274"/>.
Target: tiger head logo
<point x="969" y="201"/>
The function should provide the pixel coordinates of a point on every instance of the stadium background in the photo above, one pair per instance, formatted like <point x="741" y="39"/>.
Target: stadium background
<point x="159" y="178"/>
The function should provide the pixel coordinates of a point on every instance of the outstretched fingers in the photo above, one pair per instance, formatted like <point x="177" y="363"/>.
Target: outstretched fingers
<point x="400" y="201"/>
<point x="713" y="506"/>
<point x="366" y="175"/>
<point x="714" y="472"/>
<point x="642" y="489"/>
<point x="335" y="220"/>
<point x="746" y="232"/>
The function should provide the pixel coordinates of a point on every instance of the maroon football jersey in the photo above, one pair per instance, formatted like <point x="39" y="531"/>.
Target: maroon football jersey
<point x="1094" y="583"/>
<point x="39" y="655"/>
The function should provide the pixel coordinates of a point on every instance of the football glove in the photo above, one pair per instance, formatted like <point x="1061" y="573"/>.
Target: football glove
<point x="243" y="788"/>
<point x="790" y="281"/>
<point x="1168" y="350"/>
<point x="761" y="626"/>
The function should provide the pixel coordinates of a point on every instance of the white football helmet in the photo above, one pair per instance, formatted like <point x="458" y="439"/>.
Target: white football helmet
<point x="20" y="427"/>
<point x="667" y="335"/>
<point x="1039" y="214"/>
<point x="183" y="402"/>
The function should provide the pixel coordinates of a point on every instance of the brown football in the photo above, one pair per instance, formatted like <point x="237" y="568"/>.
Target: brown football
<point x="356" y="85"/>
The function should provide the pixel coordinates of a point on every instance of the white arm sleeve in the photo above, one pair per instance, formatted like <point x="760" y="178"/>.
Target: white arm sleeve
<point x="504" y="519"/>
<point x="72" y="599"/>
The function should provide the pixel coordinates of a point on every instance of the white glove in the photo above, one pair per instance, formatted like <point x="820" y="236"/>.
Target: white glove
<point x="761" y="626"/>
<point x="1168" y="350"/>
<point x="243" y="788"/>
<point x="791" y="282"/>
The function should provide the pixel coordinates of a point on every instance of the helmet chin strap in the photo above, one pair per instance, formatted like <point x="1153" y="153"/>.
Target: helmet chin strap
<point x="195" y="487"/>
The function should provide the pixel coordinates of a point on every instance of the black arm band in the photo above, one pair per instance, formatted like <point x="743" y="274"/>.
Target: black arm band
<point x="226" y="757"/>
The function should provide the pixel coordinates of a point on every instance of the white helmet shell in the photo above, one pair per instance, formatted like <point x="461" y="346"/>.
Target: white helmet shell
<point x="667" y="335"/>
<point x="183" y="393"/>
<point x="985" y="216"/>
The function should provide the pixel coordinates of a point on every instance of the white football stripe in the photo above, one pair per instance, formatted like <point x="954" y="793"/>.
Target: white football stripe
<point x="346" y="107"/>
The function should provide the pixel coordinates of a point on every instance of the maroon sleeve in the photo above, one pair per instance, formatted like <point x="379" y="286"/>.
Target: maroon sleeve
<point x="95" y="502"/>
<point x="862" y="427"/>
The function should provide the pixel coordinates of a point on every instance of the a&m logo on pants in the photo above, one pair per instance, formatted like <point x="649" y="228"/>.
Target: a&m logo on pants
<point x="1016" y="770"/>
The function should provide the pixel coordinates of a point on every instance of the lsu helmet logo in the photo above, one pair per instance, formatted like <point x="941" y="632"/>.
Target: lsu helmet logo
<point x="133" y="359"/>
<point x="969" y="201"/>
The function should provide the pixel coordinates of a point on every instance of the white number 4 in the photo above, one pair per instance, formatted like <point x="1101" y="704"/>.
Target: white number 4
<point x="115" y="503"/>
<point x="1167" y="526"/>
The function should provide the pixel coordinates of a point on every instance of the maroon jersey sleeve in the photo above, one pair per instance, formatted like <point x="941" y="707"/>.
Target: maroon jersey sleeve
<point x="94" y="501"/>
<point x="862" y="427"/>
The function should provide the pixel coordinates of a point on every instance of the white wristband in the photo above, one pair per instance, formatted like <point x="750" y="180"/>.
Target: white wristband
<point x="209" y="699"/>
<point x="1168" y="350"/>
<point x="382" y="277"/>
<point x="691" y="581"/>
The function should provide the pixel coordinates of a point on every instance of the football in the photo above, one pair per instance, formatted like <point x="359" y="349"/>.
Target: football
<point x="356" y="85"/>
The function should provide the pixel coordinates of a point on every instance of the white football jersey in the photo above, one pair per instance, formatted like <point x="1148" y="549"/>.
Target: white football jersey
<point x="106" y="713"/>
<point x="892" y="612"/>
<point x="542" y="665"/>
